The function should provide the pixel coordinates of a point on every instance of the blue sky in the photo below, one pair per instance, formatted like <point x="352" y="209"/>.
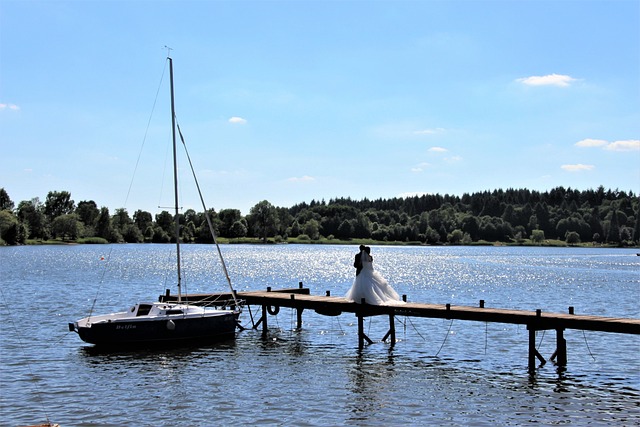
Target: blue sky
<point x="293" y="101"/>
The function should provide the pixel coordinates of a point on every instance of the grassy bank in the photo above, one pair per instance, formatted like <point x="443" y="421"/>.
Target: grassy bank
<point x="353" y="242"/>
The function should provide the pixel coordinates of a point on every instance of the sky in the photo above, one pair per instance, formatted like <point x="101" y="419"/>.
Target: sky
<point x="296" y="101"/>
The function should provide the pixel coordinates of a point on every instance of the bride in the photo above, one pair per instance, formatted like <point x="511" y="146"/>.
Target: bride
<point x="370" y="285"/>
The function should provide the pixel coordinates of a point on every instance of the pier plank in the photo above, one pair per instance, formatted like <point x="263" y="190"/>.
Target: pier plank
<point x="301" y="298"/>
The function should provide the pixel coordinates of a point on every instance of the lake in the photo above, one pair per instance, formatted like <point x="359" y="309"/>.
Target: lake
<point x="440" y="372"/>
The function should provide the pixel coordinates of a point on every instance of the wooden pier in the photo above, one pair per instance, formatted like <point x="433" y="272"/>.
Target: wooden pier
<point x="300" y="299"/>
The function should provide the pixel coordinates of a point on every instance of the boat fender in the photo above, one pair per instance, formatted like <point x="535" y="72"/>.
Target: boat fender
<point x="171" y="325"/>
<point x="273" y="310"/>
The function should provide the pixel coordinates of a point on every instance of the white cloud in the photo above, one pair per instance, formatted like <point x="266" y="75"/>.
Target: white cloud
<point x="548" y="80"/>
<point x="591" y="143"/>
<point x="438" y="150"/>
<point x="420" y="167"/>
<point x="9" y="106"/>
<point x="305" y="178"/>
<point x="428" y="131"/>
<point x="238" y="120"/>
<point x="627" y="145"/>
<point x="577" y="168"/>
<point x="623" y="145"/>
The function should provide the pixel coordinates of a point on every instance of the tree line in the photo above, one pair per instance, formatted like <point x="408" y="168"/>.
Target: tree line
<point x="512" y="215"/>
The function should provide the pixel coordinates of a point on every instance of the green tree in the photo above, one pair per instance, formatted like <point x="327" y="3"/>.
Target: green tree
<point x="432" y="237"/>
<point x="143" y="220"/>
<point x="471" y="226"/>
<point x="263" y="220"/>
<point x="5" y="201"/>
<point x="88" y="212"/>
<point x="312" y="229"/>
<point x="228" y="217"/>
<point x="345" y="230"/>
<point x="613" y="235"/>
<point x="166" y="222"/>
<point x="572" y="238"/>
<point x="455" y="237"/>
<point x="104" y="228"/>
<point x="31" y="214"/>
<point x="123" y="225"/>
<point x="58" y="203"/>
<point x="537" y="236"/>
<point x="635" y="237"/>
<point x="67" y="227"/>
<point x="9" y="228"/>
<point x="160" y="236"/>
<point x="238" y="229"/>
<point x="295" y="229"/>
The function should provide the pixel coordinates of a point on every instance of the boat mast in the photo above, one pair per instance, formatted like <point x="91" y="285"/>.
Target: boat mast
<point x="175" y="179"/>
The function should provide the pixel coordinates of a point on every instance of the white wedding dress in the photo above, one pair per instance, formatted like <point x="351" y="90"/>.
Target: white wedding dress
<point x="371" y="286"/>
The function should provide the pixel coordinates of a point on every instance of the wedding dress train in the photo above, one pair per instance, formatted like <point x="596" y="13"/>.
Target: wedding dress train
<point x="371" y="286"/>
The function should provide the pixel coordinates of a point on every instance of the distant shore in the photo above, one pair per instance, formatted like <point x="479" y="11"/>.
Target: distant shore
<point x="354" y="242"/>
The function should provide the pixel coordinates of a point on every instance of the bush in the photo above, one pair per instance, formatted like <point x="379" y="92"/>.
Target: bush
<point x="572" y="238"/>
<point x="93" y="241"/>
<point x="537" y="236"/>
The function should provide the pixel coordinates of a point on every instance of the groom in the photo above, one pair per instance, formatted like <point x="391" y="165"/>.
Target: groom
<point x="357" y="263"/>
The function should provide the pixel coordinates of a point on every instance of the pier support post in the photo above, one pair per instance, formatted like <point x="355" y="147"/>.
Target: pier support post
<point x="299" y="318"/>
<point x="361" y="335"/>
<point x="561" y="349"/>
<point x="264" y="321"/>
<point x="298" y="313"/>
<point x="532" y="349"/>
<point x="392" y="330"/>
<point x="533" y="352"/>
<point x="360" y="332"/>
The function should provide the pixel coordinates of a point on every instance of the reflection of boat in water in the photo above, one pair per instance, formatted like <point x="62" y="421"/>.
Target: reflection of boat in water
<point x="158" y="322"/>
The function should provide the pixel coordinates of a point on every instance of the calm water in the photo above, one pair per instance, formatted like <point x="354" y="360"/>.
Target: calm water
<point x="440" y="372"/>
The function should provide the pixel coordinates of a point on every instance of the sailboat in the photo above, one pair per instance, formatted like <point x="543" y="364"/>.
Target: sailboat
<point x="160" y="322"/>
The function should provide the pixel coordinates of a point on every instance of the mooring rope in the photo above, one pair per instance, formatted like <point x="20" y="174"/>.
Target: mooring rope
<point x="585" y="341"/>
<point x="445" y="338"/>
<point x="486" y="336"/>
<point x="340" y="325"/>
<point x="541" y="339"/>
<point x="414" y="328"/>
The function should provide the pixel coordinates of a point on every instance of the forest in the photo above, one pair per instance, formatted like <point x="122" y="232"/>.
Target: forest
<point x="512" y="216"/>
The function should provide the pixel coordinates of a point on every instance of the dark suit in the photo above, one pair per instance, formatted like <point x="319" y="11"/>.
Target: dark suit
<point x="357" y="263"/>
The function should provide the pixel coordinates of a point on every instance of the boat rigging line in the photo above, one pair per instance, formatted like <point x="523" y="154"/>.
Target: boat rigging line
<point x="95" y="299"/>
<point x="207" y="216"/>
<point x="146" y="133"/>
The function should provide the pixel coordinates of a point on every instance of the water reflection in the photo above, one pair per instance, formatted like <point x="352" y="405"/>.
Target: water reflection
<point x="369" y="380"/>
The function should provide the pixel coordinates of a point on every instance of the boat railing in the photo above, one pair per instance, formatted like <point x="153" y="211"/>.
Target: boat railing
<point x="219" y="303"/>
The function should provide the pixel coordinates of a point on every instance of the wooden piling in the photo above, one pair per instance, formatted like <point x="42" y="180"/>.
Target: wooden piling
<point x="561" y="348"/>
<point x="264" y="322"/>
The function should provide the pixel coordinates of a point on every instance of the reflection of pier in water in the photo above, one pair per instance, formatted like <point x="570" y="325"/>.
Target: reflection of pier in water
<point x="301" y="299"/>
